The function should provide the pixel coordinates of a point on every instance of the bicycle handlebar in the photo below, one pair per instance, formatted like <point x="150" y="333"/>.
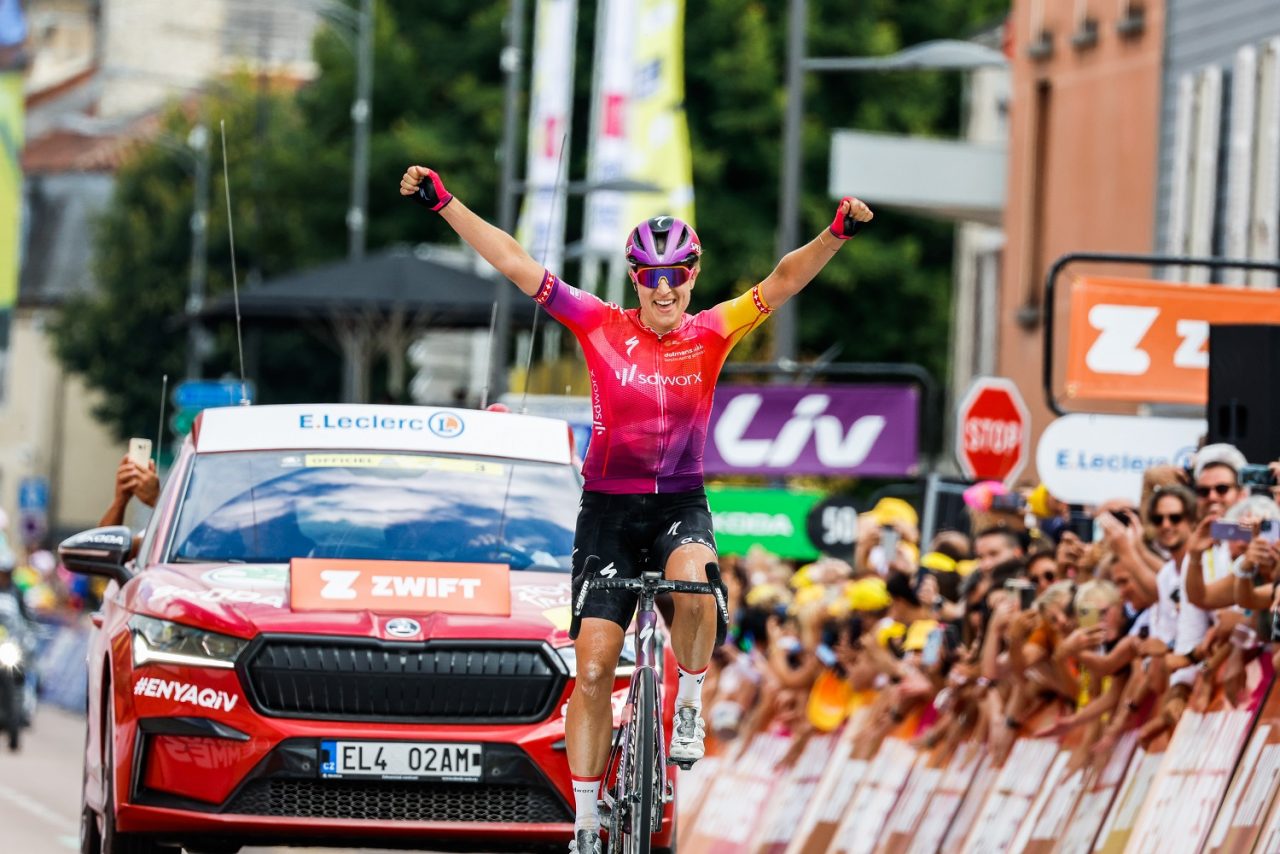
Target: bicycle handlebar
<point x="656" y="585"/>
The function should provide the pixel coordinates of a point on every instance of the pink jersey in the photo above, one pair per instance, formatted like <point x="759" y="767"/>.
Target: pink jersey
<point x="650" y="394"/>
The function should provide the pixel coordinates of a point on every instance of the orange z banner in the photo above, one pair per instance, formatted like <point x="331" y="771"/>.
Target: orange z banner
<point x="1148" y="342"/>
<point x="399" y="587"/>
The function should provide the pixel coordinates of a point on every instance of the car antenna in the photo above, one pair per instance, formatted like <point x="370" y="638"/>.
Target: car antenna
<point x="235" y="282"/>
<point x="164" y="394"/>
<point x="533" y="338"/>
<point x="493" y="322"/>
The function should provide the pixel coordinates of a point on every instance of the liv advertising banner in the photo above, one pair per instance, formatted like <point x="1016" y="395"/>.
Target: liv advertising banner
<point x="772" y="518"/>
<point x="541" y="229"/>
<point x="851" y="430"/>
<point x="1089" y="459"/>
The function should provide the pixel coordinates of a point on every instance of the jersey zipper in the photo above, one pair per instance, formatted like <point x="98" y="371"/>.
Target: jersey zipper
<point x="662" y="412"/>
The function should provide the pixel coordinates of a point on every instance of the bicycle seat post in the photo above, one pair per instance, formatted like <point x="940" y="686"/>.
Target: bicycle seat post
<point x="647" y="621"/>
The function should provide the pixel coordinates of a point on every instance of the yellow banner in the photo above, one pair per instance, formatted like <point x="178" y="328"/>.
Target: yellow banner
<point x="659" y="132"/>
<point x="11" y="114"/>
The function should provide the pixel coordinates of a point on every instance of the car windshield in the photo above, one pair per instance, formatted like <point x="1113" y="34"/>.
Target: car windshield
<point x="272" y="506"/>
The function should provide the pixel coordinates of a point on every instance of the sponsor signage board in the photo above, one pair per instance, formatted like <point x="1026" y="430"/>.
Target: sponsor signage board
<point x="1089" y="459"/>
<point x="399" y="587"/>
<point x="1148" y="342"/>
<point x="772" y="518"/>
<point x="851" y="430"/>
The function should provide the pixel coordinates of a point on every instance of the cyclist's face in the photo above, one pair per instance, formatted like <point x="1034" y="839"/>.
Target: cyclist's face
<point x="662" y="307"/>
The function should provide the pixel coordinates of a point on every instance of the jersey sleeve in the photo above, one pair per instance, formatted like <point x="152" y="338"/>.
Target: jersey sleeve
<point x="734" y="318"/>
<point x="576" y="309"/>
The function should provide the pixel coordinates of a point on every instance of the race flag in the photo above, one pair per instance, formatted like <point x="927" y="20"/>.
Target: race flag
<point x="639" y="133"/>
<point x="541" y="228"/>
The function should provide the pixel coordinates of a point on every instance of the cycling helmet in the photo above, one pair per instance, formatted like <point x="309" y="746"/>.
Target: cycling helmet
<point x="663" y="241"/>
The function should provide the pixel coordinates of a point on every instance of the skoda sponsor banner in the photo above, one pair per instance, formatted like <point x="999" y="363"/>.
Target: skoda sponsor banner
<point x="865" y="430"/>
<point x="772" y="518"/>
<point x="1088" y="459"/>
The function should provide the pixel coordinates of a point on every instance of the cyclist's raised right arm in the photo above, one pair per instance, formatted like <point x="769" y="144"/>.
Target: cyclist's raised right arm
<point x="491" y="243"/>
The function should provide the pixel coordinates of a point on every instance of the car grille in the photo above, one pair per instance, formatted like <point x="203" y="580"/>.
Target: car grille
<point x="397" y="801"/>
<point x="433" y="682"/>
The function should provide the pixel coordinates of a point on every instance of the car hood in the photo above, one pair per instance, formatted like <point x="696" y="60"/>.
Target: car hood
<point x="248" y="599"/>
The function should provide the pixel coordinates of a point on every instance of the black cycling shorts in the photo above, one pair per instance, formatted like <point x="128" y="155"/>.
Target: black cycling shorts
<point x="620" y="529"/>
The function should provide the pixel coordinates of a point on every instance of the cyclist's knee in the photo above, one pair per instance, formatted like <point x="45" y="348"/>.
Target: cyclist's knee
<point x="595" y="677"/>
<point x="688" y="562"/>
<point x="695" y="607"/>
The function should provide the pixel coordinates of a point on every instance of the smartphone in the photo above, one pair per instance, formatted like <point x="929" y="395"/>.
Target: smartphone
<point x="1231" y="531"/>
<point x="889" y="543"/>
<point x="1256" y="475"/>
<point x="1087" y="617"/>
<point x="826" y="655"/>
<point x="1010" y="501"/>
<point x="140" y="452"/>
<point x="1024" y="590"/>
<point x="1081" y="524"/>
<point x="1269" y="530"/>
<point x="932" y="648"/>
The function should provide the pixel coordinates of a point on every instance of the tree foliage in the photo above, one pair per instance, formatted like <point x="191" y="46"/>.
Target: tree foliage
<point x="438" y="100"/>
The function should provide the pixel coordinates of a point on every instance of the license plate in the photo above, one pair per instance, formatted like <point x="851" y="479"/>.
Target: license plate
<point x="401" y="760"/>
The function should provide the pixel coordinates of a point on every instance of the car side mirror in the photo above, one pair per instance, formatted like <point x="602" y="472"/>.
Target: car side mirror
<point x="101" y="551"/>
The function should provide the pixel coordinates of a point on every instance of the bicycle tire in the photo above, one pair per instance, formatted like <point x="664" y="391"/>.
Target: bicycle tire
<point x="642" y="746"/>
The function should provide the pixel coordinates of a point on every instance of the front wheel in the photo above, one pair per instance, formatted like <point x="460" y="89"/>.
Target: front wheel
<point x="642" y="747"/>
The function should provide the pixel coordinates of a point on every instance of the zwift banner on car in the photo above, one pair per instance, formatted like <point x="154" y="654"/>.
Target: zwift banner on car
<point x="640" y="131"/>
<point x="541" y="229"/>
<point x="851" y="430"/>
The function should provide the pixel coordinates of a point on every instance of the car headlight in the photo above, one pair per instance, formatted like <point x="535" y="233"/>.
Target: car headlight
<point x="626" y="661"/>
<point x="164" y="642"/>
<point x="10" y="654"/>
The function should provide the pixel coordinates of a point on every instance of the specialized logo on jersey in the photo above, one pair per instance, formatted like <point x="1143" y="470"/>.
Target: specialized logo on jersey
<point x="632" y="343"/>
<point x="631" y="376"/>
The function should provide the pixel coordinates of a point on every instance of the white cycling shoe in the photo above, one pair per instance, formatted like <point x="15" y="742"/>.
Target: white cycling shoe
<point x="586" y="841"/>
<point x="687" y="741"/>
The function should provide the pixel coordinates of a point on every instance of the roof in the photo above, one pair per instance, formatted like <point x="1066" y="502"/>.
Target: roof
<point x="385" y="281"/>
<point x="353" y="428"/>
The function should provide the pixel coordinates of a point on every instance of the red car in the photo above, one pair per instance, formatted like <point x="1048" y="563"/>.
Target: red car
<point x="345" y="625"/>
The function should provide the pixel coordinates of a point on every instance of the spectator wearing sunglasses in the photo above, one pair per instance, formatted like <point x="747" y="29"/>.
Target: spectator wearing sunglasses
<point x="1042" y="570"/>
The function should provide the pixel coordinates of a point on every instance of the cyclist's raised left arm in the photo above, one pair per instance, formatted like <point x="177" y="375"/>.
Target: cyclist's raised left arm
<point x="797" y="268"/>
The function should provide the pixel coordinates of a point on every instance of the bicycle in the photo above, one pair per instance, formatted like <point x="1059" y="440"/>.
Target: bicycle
<point x="632" y="806"/>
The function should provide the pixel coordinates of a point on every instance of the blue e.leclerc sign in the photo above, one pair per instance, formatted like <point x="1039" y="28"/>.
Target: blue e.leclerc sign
<point x="204" y="394"/>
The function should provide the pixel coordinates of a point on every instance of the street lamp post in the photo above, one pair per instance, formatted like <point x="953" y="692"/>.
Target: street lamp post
<point x="361" y="113"/>
<point x="198" y="141"/>
<point x="942" y="55"/>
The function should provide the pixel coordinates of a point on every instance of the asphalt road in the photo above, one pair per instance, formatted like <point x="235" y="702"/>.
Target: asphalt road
<point x="40" y="790"/>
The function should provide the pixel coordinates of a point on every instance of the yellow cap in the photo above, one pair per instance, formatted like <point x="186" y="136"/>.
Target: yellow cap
<point x="918" y="634"/>
<point x="806" y="595"/>
<point x="889" y="630"/>
<point x="965" y="567"/>
<point x="765" y="595"/>
<point x="1038" y="501"/>
<point x="890" y="510"/>
<point x="938" y="562"/>
<point x="867" y="594"/>
<point x="802" y="577"/>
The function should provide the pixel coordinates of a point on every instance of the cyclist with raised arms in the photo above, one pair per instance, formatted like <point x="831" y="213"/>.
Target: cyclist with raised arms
<point x="653" y="372"/>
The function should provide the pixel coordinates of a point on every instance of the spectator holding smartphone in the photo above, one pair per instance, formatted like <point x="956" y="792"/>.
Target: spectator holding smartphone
<point x="133" y="480"/>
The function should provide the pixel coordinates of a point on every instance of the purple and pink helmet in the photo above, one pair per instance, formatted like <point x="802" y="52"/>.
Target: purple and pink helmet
<point x="663" y="241"/>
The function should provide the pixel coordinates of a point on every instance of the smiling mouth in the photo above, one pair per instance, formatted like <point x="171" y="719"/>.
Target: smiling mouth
<point x="664" y="303"/>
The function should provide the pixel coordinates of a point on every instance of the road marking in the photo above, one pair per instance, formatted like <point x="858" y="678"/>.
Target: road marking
<point x="39" y="810"/>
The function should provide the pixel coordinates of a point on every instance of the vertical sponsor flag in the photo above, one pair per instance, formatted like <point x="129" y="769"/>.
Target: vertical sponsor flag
<point x="541" y="227"/>
<point x="640" y="131"/>
<point x="13" y="32"/>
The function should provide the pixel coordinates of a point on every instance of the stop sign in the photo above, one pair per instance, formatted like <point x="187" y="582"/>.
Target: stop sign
<point x="992" y="430"/>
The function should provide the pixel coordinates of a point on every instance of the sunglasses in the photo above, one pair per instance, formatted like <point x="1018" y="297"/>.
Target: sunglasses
<point x="1220" y="488"/>
<point x="1159" y="519"/>
<point x="654" y="277"/>
<point x="1043" y="578"/>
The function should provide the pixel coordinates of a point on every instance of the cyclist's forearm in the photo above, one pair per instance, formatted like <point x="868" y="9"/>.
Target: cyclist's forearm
<point x="495" y="246"/>
<point x="799" y="267"/>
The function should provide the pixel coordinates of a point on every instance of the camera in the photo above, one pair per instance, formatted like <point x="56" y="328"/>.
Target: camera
<point x="1024" y="590"/>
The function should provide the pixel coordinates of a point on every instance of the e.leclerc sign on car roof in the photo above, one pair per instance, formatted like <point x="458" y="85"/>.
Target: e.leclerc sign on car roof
<point x="383" y="428"/>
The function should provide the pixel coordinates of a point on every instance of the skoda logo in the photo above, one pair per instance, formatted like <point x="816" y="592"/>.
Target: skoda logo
<point x="403" y="627"/>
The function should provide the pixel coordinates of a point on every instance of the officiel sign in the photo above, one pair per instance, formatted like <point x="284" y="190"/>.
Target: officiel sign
<point x="866" y="430"/>
<point x="1089" y="459"/>
<point x="399" y="587"/>
<point x="1143" y="341"/>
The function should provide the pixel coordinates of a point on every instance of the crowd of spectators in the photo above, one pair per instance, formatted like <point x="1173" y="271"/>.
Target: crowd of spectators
<point x="1041" y="619"/>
